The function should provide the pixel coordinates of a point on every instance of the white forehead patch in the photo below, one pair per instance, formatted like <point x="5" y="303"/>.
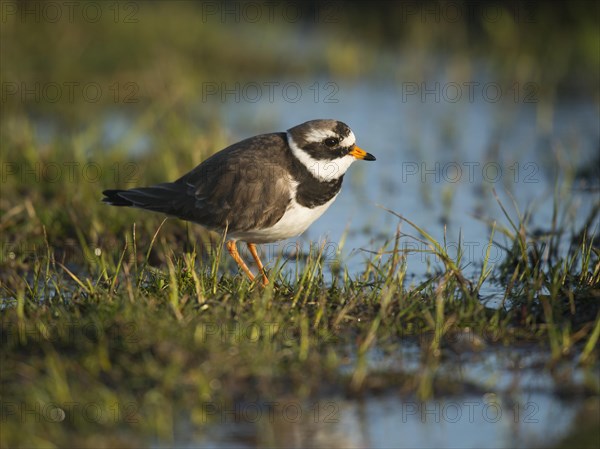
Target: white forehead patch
<point x="348" y="141"/>
<point x="319" y="135"/>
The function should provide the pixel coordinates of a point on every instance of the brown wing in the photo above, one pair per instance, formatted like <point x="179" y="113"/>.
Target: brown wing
<point x="245" y="186"/>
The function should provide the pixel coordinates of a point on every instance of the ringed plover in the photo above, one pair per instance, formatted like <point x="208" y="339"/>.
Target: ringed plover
<point x="263" y="189"/>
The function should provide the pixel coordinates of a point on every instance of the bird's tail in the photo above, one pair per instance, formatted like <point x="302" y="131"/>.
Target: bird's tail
<point x="159" y="198"/>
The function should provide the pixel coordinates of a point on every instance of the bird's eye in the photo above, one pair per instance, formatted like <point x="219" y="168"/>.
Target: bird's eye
<point x="331" y="142"/>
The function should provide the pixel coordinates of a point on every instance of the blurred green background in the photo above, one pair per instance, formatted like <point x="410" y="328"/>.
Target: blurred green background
<point x="168" y="49"/>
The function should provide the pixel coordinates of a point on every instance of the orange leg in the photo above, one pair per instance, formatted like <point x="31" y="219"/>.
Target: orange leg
<point x="252" y="248"/>
<point x="232" y="248"/>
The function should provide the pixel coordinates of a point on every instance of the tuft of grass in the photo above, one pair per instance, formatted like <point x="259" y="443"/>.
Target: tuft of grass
<point x="128" y="330"/>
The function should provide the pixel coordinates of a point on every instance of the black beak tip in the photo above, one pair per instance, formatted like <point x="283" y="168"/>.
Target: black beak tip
<point x="370" y="157"/>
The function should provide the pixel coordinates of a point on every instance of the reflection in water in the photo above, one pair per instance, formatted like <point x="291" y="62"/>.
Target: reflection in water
<point x="515" y="405"/>
<point x="388" y="421"/>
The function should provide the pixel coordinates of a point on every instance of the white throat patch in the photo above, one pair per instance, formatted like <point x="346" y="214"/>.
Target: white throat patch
<point x="323" y="170"/>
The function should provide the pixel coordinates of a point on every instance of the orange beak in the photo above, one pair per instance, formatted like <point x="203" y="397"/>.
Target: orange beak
<point x="359" y="153"/>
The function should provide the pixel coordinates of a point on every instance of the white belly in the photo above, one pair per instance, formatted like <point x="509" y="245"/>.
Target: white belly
<point x="293" y="223"/>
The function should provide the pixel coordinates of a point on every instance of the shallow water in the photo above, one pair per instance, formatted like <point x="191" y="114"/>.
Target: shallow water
<point x="514" y="404"/>
<point x="437" y="163"/>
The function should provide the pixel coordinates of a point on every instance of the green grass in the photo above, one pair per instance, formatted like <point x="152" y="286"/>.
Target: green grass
<point x="145" y="318"/>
